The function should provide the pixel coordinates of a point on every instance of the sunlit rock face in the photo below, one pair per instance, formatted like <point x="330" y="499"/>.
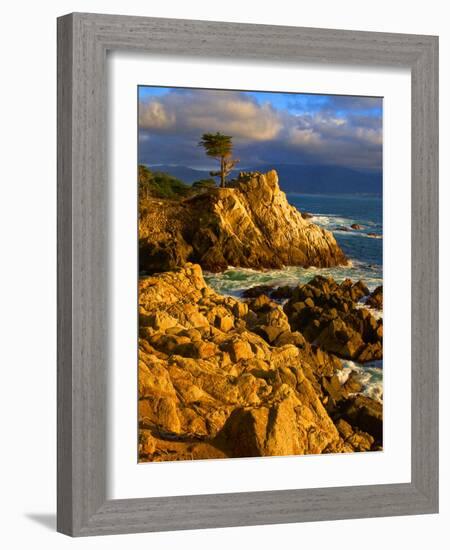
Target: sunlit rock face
<point x="247" y="224"/>
<point x="220" y="378"/>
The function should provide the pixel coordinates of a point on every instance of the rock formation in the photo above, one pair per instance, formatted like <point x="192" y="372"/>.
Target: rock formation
<point x="247" y="224"/>
<point x="219" y="377"/>
<point x="329" y="315"/>
<point x="375" y="299"/>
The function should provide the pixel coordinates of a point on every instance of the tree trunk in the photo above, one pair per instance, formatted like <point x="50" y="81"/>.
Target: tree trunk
<point x="222" y="172"/>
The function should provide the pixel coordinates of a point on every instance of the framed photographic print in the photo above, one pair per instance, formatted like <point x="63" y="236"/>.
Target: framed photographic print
<point x="247" y="269"/>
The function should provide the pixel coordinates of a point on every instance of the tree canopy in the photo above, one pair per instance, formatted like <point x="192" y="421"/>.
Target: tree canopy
<point x="220" y="147"/>
<point x="217" y="145"/>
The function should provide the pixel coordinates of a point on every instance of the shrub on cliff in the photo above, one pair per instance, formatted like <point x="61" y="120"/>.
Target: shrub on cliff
<point x="204" y="184"/>
<point x="160" y="185"/>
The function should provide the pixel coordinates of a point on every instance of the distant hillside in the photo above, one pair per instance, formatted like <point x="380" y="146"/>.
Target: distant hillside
<point x="184" y="173"/>
<point x="299" y="178"/>
<point x="326" y="179"/>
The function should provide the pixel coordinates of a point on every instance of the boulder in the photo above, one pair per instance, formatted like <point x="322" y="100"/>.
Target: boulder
<point x="337" y="337"/>
<point x="306" y="215"/>
<point x="356" y="439"/>
<point x="240" y="309"/>
<point x="270" y="333"/>
<point x="286" y="427"/>
<point x="281" y="292"/>
<point x="168" y="416"/>
<point x="255" y="291"/>
<point x="358" y="290"/>
<point x="375" y="299"/>
<point x="147" y="443"/>
<point x="331" y="316"/>
<point x="239" y="350"/>
<point x="366" y="414"/>
<point x="288" y="337"/>
<point x="159" y="320"/>
<point x="371" y="352"/>
<point x="224" y="323"/>
<point x="261" y="303"/>
<point x="200" y="350"/>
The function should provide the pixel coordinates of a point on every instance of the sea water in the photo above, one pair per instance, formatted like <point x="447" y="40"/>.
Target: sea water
<point x="363" y="247"/>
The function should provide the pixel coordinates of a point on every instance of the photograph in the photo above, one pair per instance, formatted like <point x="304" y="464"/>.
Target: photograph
<point x="260" y="238"/>
<point x="227" y="205"/>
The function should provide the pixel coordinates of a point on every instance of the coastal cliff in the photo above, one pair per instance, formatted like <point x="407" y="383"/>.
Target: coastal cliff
<point x="249" y="223"/>
<point x="220" y="377"/>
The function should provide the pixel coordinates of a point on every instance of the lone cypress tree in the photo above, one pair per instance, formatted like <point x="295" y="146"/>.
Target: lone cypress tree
<point x="219" y="147"/>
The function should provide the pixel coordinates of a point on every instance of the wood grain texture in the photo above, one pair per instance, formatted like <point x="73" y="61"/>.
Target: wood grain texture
<point x="64" y="267"/>
<point x="83" y="241"/>
<point x="425" y="265"/>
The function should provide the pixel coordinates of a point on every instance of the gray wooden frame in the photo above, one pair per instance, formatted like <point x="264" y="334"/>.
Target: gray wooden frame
<point x="83" y="41"/>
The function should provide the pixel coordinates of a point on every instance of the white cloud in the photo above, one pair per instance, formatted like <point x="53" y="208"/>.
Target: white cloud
<point x="227" y="112"/>
<point x="173" y="124"/>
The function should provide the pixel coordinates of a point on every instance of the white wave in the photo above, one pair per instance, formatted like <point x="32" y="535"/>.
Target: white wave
<point x="329" y="220"/>
<point x="233" y="281"/>
<point x="370" y="376"/>
<point x="336" y="223"/>
<point x="378" y="314"/>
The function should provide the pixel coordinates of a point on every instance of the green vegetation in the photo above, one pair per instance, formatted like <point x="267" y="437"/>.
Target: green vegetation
<point x="220" y="147"/>
<point x="160" y="185"/>
<point x="207" y="183"/>
<point x="164" y="186"/>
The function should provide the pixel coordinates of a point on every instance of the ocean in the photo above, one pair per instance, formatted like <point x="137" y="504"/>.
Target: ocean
<point x="363" y="247"/>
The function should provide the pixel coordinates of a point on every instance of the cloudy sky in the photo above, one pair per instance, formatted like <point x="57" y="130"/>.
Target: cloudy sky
<point x="267" y="128"/>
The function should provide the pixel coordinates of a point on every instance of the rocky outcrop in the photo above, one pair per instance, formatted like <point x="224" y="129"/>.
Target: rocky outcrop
<point x="247" y="224"/>
<point x="375" y="300"/>
<point x="364" y="413"/>
<point x="330" y="316"/>
<point x="219" y="378"/>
